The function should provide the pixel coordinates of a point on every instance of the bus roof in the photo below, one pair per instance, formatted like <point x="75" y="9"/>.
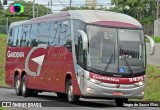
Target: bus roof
<point x="88" y="16"/>
<point x="18" y="23"/>
<point x="91" y="16"/>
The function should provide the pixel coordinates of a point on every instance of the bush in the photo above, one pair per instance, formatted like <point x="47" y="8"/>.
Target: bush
<point x="2" y="29"/>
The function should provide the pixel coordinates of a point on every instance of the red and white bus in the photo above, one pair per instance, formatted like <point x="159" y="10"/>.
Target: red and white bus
<point x="87" y="53"/>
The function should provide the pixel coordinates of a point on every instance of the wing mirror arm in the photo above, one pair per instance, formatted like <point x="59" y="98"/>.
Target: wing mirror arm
<point x="84" y="39"/>
<point x="152" y="44"/>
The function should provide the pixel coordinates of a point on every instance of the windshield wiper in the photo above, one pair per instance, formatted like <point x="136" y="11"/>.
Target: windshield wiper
<point x="94" y="70"/>
<point x="110" y="60"/>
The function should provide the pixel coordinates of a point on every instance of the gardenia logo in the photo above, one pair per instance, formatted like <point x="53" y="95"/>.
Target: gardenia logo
<point x="17" y="8"/>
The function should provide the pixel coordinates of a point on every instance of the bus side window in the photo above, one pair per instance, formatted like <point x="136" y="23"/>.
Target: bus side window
<point x="44" y="33"/>
<point x="19" y="35"/>
<point x="80" y="52"/>
<point x="34" y="35"/>
<point x="78" y="25"/>
<point x="10" y="38"/>
<point x="67" y="31"/>
<point x="52" y="35"/>
<point x="58" y="30"/>
<point x="63" y="30"/>
<point x="25" y="40"/>
<point x="15" y="42"/>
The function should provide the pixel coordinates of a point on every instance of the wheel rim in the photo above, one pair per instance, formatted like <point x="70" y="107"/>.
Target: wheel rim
<point x="70" y="93"/>
<point x="17" y="85"/>
<point x="24" y="87"/>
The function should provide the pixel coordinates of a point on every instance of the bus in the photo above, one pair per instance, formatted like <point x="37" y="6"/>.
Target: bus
<point x="78" y="54"/>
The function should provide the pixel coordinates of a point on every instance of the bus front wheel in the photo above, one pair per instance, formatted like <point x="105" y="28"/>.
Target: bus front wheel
<point x="25" y="90"/>
<point x="120" y="101"/>
<point x="17" y="85"/>
<point x="71" y="97"/>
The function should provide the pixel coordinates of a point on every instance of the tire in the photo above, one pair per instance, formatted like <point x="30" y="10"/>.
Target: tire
<point x="17" y="86"/>
<point x="25" y="91"/>
<point x="119" y="102"/>
<point x="70" y="96"/>
<point x="61" y="95"/>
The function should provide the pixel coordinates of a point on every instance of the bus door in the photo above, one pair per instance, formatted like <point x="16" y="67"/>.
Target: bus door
<point x="80" y="56"/>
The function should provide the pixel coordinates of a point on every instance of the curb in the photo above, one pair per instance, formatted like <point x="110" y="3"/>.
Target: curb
<point x="7" y="87"/>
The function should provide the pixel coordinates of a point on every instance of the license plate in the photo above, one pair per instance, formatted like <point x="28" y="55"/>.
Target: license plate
<point x="117" y="93"/>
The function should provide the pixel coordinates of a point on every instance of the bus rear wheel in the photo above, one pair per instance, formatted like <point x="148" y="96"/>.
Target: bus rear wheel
<point x="17" y="85"/>
<point x="70" y="95"/>
<point x="25" y="90"/>
<point x="120" y="101"/>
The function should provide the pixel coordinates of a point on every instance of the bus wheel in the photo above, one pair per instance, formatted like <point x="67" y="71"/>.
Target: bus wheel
<point x="71" y="97"/>
<point x="119" y="102"/>
<point x="17" y="85"/>
<point x="25" y="90"/>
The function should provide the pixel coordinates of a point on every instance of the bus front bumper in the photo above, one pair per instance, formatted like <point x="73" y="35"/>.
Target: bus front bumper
<point x="107" y="90"/>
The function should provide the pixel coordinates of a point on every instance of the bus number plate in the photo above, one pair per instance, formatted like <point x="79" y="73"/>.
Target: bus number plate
<point x="117" y="93"/>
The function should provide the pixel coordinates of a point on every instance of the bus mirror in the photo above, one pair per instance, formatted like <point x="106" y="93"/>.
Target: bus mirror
<point x="84" y="39"/>
<point x="152" y="44"/>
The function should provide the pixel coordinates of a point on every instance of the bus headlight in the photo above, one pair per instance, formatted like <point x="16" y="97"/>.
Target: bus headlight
<point x="140" y="83"/>
<point x="93" y="80"/>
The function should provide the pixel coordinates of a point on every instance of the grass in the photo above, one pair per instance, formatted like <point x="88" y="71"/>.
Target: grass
<point x="152" y="91"/>
<point x="3" y="41"/>
<point x="156" y="39"/>
<point x="1" y="108"/>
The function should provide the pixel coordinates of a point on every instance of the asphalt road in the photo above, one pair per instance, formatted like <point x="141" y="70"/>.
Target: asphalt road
<point x="153" y="59"/>
<point x="61" y="104"/>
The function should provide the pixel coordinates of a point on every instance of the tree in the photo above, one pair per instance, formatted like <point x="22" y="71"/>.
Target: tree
<point x="142" y="10"/>
<point x="78" y="8"/>
<point x="1" y="6"/>
<point x="40" y="9"/>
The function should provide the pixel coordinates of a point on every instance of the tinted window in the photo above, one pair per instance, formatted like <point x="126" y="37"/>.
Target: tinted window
<point x="60" y="33"/>
<point x="53" y="39"/>
<point x="34" y="34"/>
<point x="19" y="36"/>
<point x="25" y="41"/>
<point x="77" y="25"/>
<point x="11" y="36"/>
<point x="15" y="36"/>
<point x="44" y="33"/>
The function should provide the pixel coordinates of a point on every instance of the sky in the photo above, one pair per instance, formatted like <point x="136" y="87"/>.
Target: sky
<point x="60" y="4"/>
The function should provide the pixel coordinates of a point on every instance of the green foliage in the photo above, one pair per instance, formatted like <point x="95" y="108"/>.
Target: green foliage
<point x="142" y="10"/>
<point x="1" y="7"/>
<point x="156" y="39"/>
<point x="152" y="85"/>
<point x="42" y="10"/>
<point x="3" y="43"/>
<point x="2" y="108"/>
<point x="78" y="8"/>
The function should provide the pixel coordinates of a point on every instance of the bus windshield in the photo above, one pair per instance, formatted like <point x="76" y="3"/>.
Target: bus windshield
<point x="116" y="51"/>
